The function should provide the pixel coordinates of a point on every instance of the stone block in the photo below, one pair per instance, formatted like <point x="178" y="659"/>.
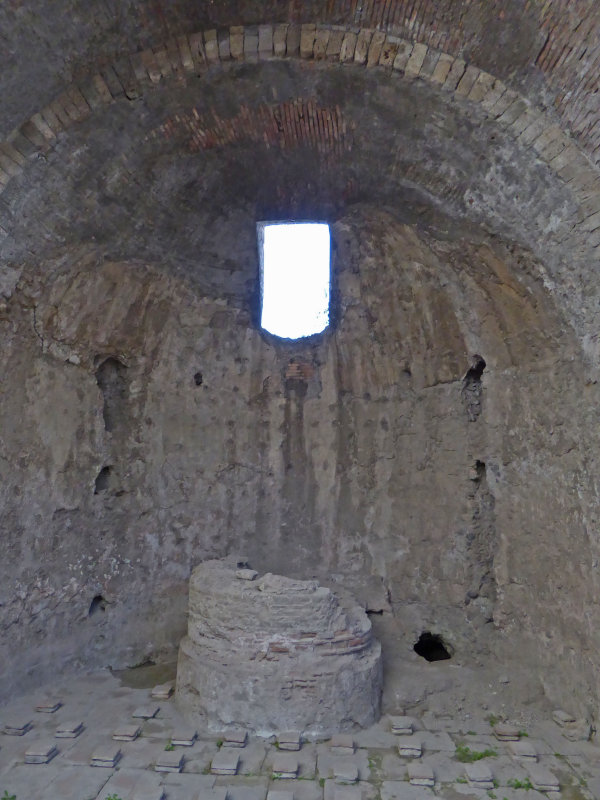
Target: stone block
<point x="146" y="712"/>
<point x="48" y="706"/>
<point x="561" y="717"/>
<point x="307" y="40"/>
<point x="479" y="775"/>
<point x="420" y="774"/>
<point x="345" y="770"/>
<point x="289" y="740"/>
<point x="126" y="733"/>
<point x="69" y="730"/>
<point x="163" y="691"/>
<point x="403" y="52"/>
<point x="265" y="41"/>
<point x="185" y="53"/>
<point x="164" y="62"/>
<point x="53" y="121"/>
<point x="17" y="727"/>
<point x="334" y="45"/>
<point x="211" y="46"/>
<point x="106" y="756"/>
<point x="236" y="42"/>
<point x="537" y="126"/>
<point x="401" y="726"/>
<point x="224" y="44"/>
<point x="348" y="47"/>
<point x="246" y="574"/>
<point x="148" y="58"/>
<point x="279" y="40"/>
<point x="250" y="43"/>
<point x="342" y="745"/>
<point x="273" y="794"/>
<point x="523" y="750"/>
<point x="42" y="126"/>
<point x="416" y="59"/>
<point x="363" y="42"/>
<point x="513" y="112"/>
<point x="115" y="86"/>
<point x="225" y="762"/>
<point x="481" y="87"/>
<point x="442" y="68"/>
<point x="522" y="123"/>
<point x="169" y="761"/>
<point x="410" y="747"/>
<point x="376" y="49"/>
<point x="506" y="733"/>
<point x="285" y="765"/>
<point x="542" y="779"/>
<point x="293" y="40"/>
<point x="467" y="81"/>
<point x="198" y="50"/>
<point x="457" y="70"/>
<point x="41" y="753"/>
<point x="236" y="738"/>
<point x="321" y="41"/>
<point x="183" y="738"/>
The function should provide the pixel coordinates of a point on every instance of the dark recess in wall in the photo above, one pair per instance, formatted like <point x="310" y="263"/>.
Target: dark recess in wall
<point x="111" y="378"/>
<point x="472" y="389"/>
<point x="431" y="647"/>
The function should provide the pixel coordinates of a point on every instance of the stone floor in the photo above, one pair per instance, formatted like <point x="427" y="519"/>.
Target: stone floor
<point x="103" y="703"/>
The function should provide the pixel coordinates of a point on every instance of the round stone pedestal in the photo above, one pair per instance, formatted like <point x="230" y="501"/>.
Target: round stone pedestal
<point x="274" y="654"/>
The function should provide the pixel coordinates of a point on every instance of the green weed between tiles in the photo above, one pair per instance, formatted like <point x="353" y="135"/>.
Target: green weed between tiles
<point x="7" y="796"/>
<point x="468" y="756"/>
<point x="517" y="784"/>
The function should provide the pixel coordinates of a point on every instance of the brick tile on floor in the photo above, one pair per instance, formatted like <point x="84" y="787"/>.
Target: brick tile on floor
<point x="252" y="758"/>
<point x="446" y="768"/>
<point x="361" y="791"/>
<point x="181" y="786"/>
<point x="402" y="790"/>
<point x="76" y="783"/>
<point x="199" y="757"/>
<point x="247" y="788"/>
<point x="326" y="759"/>
<point x="393" y="767"/>
<point x="302" y="790"/>
<point x="29" y="781"/>
<point x="435" y="741"/>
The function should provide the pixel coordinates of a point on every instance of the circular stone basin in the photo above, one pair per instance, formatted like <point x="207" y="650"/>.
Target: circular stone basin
<point x="276" y="654"/>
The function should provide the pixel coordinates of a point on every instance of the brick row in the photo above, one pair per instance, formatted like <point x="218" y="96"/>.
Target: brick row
<point x="185" y="56"/>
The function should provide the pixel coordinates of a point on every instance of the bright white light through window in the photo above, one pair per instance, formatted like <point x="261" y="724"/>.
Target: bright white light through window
<point x="295" y="267"/>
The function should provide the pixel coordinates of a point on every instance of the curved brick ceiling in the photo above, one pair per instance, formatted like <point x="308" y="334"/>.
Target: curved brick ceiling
<point x="550" y="50"/>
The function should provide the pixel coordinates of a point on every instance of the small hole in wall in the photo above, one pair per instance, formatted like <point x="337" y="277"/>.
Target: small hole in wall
<point x="476" y="369"/>
<point x="431" y="647"/>
<point x="97" y="604"/>
<point x="103" y="480"/>
<point x="198" y="379"/>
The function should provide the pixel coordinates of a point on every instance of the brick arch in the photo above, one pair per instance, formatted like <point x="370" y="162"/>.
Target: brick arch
<point x="189" y="57"/>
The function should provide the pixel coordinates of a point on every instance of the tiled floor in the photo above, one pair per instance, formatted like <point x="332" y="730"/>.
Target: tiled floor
<point x="103" y="705"/>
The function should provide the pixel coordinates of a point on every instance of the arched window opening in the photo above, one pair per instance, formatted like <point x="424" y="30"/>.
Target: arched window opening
<point x="295" y="266"/>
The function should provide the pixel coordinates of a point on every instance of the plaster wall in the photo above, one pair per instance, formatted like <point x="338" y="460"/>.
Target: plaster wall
<point x="373" y="457"/>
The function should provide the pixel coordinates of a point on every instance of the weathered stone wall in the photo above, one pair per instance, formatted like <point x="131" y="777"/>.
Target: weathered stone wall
<point x="391" y="465"/>
<point x="146" y="424"/>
